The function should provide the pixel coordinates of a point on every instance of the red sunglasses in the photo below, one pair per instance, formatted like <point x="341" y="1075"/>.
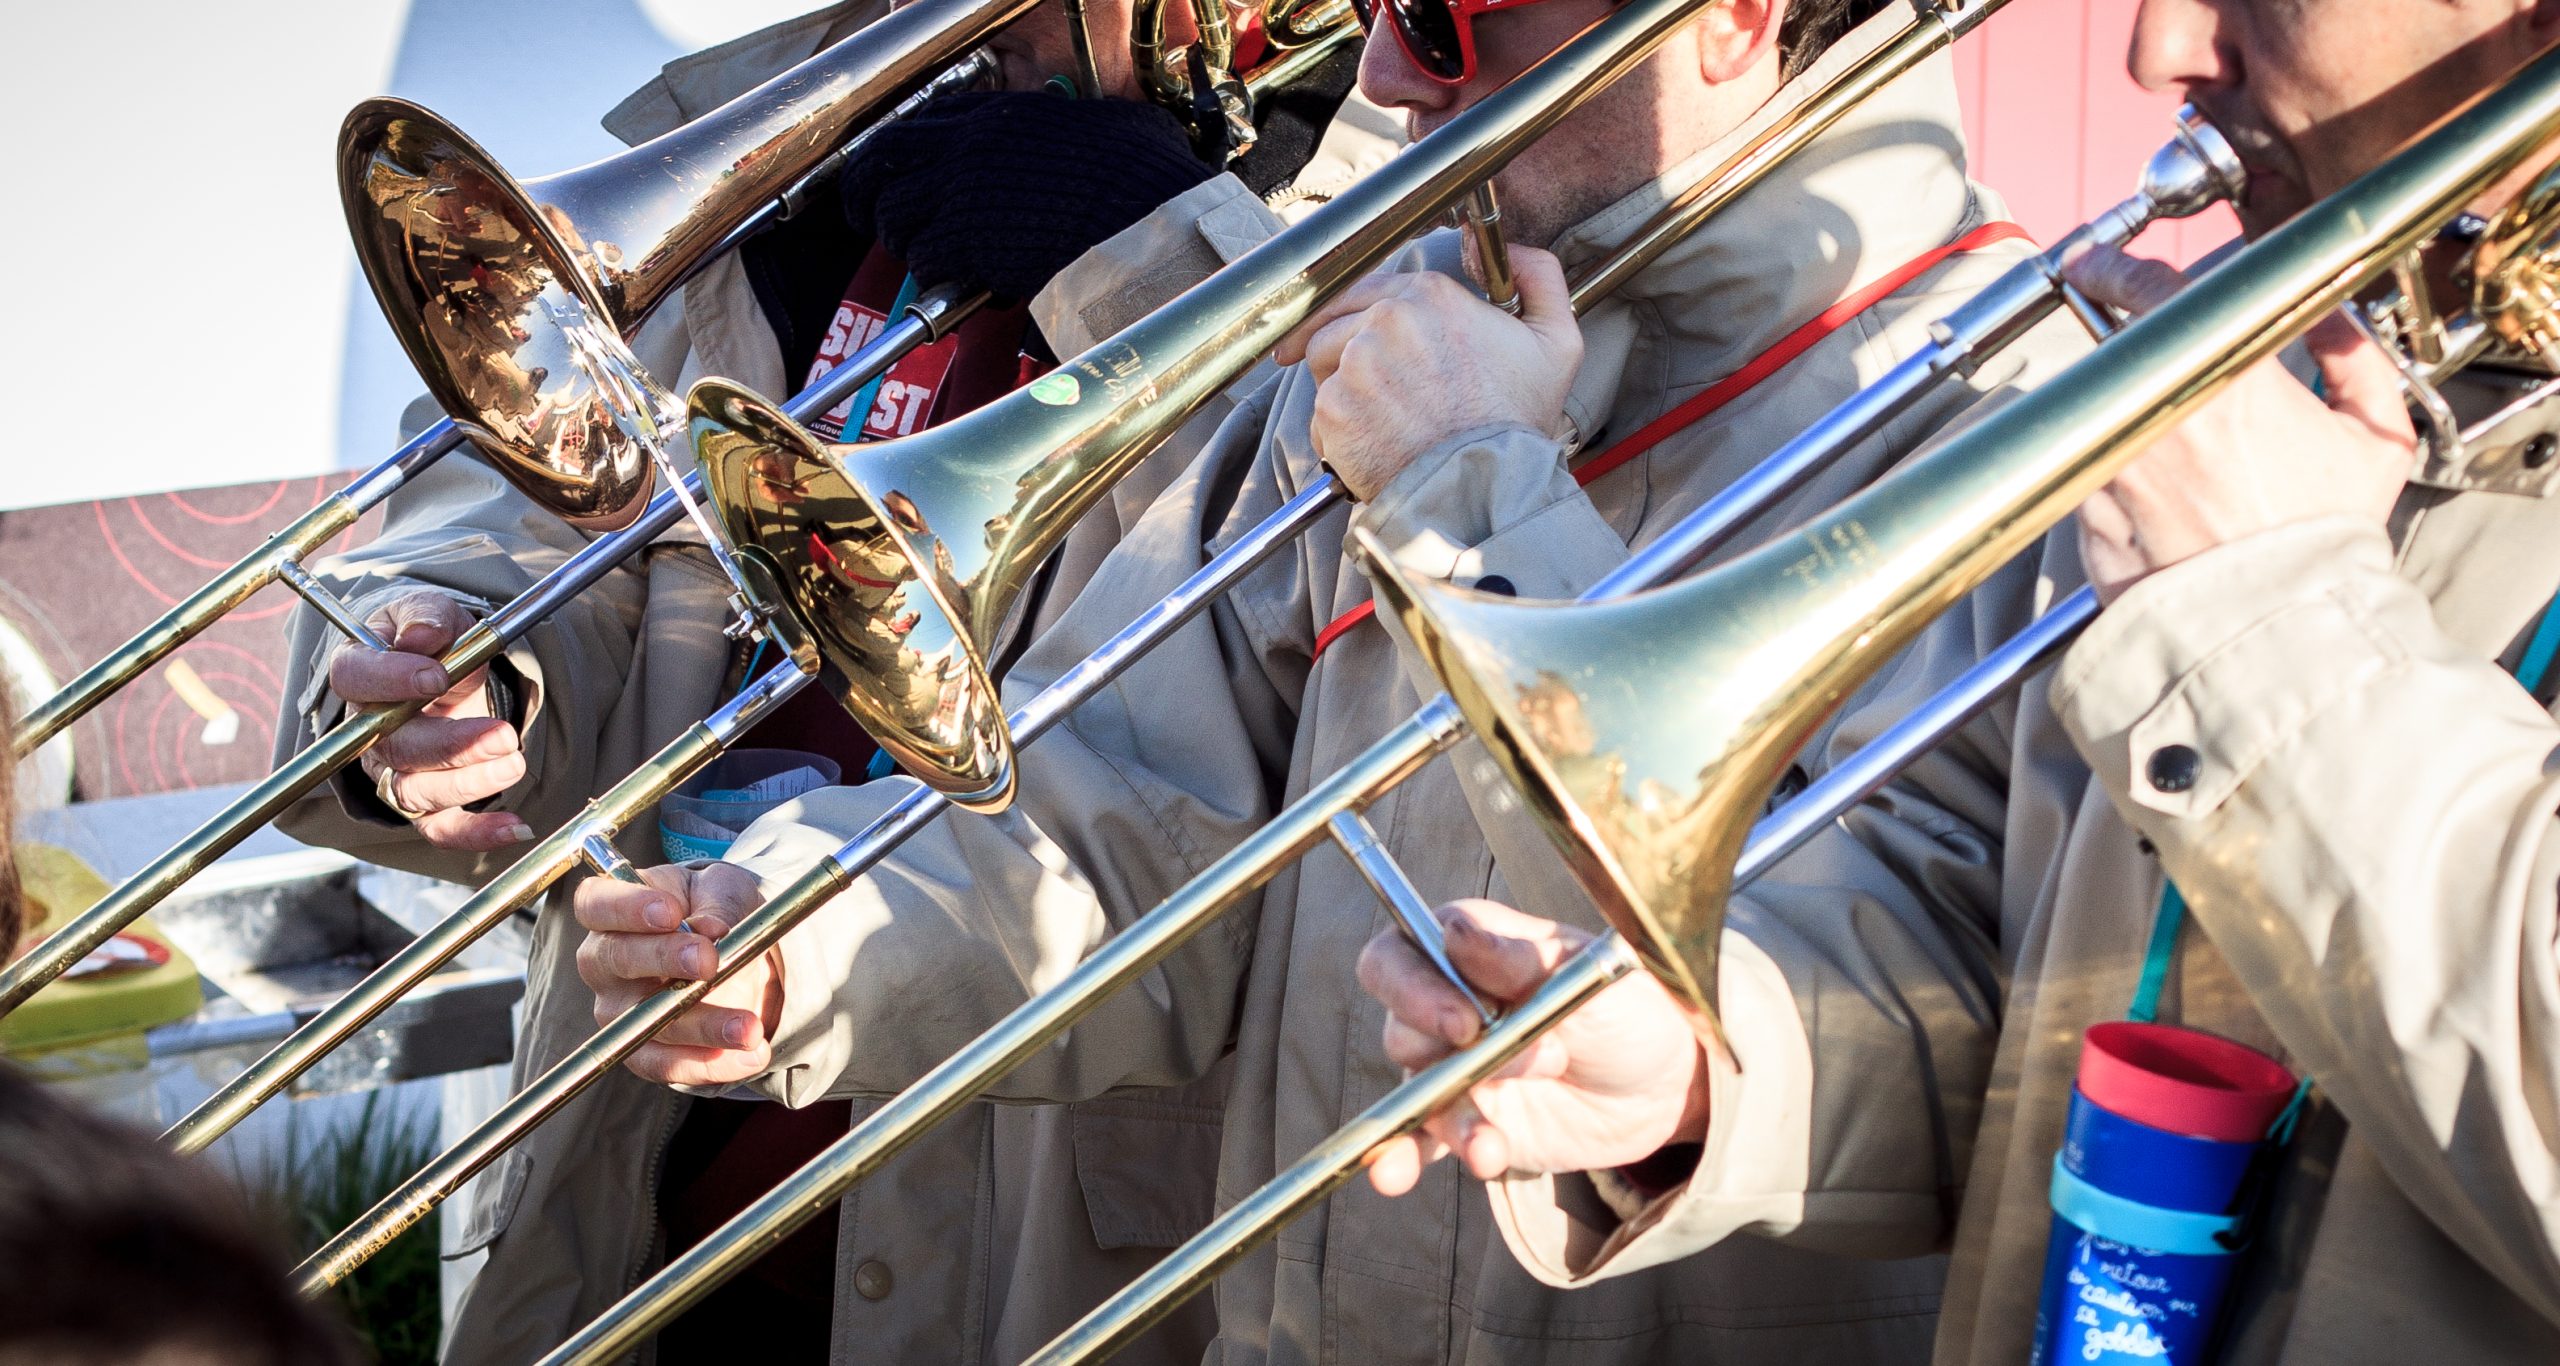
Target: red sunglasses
<point x="1439" y="35"/>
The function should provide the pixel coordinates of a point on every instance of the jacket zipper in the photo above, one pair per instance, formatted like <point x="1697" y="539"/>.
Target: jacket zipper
<point x="650" y="1172"/>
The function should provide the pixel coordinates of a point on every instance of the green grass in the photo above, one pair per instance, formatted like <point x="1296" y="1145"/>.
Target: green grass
<point x="324" y="1182"/>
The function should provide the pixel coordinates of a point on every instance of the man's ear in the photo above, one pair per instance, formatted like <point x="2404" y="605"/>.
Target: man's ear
<point x="1736" y="36"/>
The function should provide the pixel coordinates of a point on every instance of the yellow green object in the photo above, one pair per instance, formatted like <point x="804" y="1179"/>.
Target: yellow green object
<point x="87" y="1010"/>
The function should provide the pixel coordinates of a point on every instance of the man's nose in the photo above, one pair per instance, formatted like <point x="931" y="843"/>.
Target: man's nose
<point x="2178" y="45"/>
<point x="1388" y="76"/>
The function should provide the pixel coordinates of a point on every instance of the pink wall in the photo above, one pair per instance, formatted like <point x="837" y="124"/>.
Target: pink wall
<point x="2058" y="128"/>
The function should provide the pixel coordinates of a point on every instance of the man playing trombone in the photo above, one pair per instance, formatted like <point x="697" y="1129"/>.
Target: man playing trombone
<point x="1283" y="679"/>
<point x="941" y="195"/>
<point x="2313" y="720"/>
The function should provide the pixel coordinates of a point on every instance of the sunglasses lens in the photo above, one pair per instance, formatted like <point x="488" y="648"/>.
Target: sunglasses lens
<point x="1366" y="11"/>
<point x="1430" y="33"/>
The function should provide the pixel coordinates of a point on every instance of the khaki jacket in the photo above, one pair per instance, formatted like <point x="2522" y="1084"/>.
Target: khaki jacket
<point x="1197" y="745"/>
<point x="567" y="1216"/>
<point x="2369" y="854"/>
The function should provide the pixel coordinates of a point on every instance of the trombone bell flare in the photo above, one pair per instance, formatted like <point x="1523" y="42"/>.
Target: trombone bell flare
<point x="471" y="274"/>
<point x="901" y="664"/>
<point x="1571" y="700"/>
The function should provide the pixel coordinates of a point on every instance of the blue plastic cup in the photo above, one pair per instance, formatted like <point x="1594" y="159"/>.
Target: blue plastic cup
<point x="2141" y="1250"/>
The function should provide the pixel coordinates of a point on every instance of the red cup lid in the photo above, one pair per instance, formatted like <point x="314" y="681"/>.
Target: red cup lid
<point x="2184" y="1081"/>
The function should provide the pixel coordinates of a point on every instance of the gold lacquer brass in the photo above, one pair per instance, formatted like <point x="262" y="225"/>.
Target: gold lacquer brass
<point x="1645" y="732"/>
<point x="478" y="273"/>
<point x="976" y="505"/>
<point x="2515" y="272"/>
<point x="901" y="665"/>
<point x="480" y="302"/>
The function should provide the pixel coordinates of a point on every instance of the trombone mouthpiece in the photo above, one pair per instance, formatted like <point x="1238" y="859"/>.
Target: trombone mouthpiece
<point x="2195" y="170"/>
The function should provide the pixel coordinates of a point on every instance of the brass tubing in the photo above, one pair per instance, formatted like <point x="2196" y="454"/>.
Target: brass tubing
<point x="1030" y="1027"/>
<point x="526" y="879"/>
<point x="1323" y="1169"/>
<point x="1815" y="624"/>
<point x="308" y="769"/>
<point x="1294" y="62"/>
<point x="1931" y="29"/>
<point x="761" y="930"/>
<point x="1189" y="1269"/>
<point x="1480" y="217"/>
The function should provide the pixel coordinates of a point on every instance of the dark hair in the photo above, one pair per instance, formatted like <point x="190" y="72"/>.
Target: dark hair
<point x="1812" y="26"/>
<point x="115" y="1250"/>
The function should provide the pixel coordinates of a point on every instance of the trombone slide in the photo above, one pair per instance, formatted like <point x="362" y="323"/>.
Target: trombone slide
<point x="1029" y="1028"/>
<point x="590" y="836"/>
<point x="260" y="567"/>
<point x="1324" y="1169"/>
<point x="308" y="769"/>
<point x="749" y="939"/>
<point x="524" y="880"/>
<point x="2192" y="172"/>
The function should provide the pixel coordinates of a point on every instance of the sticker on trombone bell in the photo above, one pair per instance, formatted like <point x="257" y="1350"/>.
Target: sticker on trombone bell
<point x="1058" y="389"/>
<point x="1845" y="543"/>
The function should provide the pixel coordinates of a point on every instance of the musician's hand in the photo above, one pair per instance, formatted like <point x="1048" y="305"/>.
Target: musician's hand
<point x="450" y="755"/>
<point x="1615" y="1082"/>
<point x="1405" y="361"/>
<point x="666" y="932"/>
<point x="2265" y="453"/>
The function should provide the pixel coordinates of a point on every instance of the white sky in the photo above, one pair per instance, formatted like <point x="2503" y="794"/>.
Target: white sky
<point x="177" y="279"/>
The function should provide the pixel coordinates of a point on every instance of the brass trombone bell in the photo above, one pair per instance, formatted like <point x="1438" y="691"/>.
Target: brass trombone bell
<point x="903" y="668"/>
<point x="1644" y="732"/>
<point x="2514" y="271"/>
<point x="476" y="271"/>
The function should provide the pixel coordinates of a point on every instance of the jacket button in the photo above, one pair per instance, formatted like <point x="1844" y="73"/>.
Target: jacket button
<point x="2173" y="768"/>
<point x="871" y="1280"/>
<point x="2538" y="451"/>
<point x="1496" y="585"/>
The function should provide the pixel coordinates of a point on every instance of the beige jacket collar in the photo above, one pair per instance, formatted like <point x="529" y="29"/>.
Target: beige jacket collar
<point x="1883" y="185"/>
<point x="697" y="83"/>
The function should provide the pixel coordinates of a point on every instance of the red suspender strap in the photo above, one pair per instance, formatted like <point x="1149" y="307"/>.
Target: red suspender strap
<point x="1742" y="381"/>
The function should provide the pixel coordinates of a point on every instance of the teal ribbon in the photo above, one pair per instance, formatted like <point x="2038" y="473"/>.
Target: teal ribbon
<point x="2138" y="1225"/>
<point x="860" y="411"/>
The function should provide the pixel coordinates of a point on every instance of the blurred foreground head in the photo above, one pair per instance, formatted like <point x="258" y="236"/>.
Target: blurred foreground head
<point x="116" y="1252"/>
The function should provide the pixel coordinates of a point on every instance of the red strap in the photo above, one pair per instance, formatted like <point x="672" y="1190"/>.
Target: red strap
<point x="1741" y="381"/>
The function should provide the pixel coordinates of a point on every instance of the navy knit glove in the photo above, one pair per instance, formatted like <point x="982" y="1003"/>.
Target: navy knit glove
<point x="1003" y="189"/>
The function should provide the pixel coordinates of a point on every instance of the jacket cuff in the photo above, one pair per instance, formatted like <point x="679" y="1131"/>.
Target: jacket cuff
<point x="1751" y="1174"/>
<point x="1496" y="500"/>
<point x="1139" y="269"/>
<point x="2199" y="672"/>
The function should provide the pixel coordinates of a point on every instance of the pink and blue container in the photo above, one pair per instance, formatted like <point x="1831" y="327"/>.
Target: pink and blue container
<point x="2150" y="1193"/>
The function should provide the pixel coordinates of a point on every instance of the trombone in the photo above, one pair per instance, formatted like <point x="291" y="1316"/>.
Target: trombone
<point x="492" y="293"/>
<point x="2195" y="170"/>
<point x="550" y="441"/>
<point x="963" y="516"/>
<point x="778" y="489"/>
<point x="614" y="371"/>
<point x="1798" y="625"/>
<point x="588" y="838"/>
